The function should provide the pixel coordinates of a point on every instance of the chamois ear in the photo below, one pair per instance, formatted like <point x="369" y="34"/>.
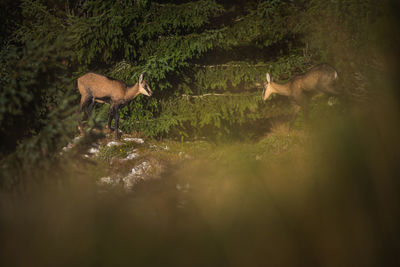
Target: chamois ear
<point x="268" y="78"/>
<point x="141" y="78"/>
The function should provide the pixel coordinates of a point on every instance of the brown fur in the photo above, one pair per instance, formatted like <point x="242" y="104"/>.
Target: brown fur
<point x="98" y="88"/>
<point x="319" y="79"/>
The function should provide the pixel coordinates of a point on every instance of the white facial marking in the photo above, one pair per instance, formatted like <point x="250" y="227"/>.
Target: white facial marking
<point x="143" y="90"/>
<point x="268" y="90"/>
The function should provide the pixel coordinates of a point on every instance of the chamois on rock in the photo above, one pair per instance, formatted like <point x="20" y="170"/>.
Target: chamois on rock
<point x="94" y="87"/>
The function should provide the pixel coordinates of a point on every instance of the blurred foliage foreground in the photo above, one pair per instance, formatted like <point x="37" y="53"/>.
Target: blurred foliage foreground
<point x="326" y="198"/>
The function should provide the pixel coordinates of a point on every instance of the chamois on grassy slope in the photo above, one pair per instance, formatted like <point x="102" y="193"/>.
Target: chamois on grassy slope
<point x="94" y="87"/>
<point x="319" y="79"/>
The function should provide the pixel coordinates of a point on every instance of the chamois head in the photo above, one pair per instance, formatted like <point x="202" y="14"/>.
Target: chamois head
<point x="144" y="87"/>
<point x="268" y="89"/>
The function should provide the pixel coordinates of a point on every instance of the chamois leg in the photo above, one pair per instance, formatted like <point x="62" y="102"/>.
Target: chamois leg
<point x="79" y="111"/>
<point x="82" y="107"/>
<point x="110" y="118"/>
<point x="87" y="106"/>
<point x="90" y="108"/>
<point x="116" y="113"/>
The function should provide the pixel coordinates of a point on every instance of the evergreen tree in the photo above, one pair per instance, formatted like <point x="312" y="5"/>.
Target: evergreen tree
<point x="205" y="60"/>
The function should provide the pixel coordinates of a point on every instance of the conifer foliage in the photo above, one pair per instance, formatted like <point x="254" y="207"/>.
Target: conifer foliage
<point x="205" y="60"/>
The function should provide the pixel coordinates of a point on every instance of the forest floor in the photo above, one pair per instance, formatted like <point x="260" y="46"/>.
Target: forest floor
<point x="290" y="195"/>
<point x="135" y="159"/>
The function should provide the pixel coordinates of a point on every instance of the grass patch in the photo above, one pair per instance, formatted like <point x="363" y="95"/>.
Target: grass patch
<point x="118" y="151"/>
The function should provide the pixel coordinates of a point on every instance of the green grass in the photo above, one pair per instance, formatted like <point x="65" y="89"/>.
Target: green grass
<point x="119" y="151"/>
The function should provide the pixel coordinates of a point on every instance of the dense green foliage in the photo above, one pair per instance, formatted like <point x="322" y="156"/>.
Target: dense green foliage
<point x="205" y="61"/>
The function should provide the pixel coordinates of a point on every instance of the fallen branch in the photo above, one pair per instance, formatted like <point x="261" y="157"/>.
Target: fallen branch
<point x="231" y="65"/>
<point x="215" y="94"/>
<point x="199" y="96"/>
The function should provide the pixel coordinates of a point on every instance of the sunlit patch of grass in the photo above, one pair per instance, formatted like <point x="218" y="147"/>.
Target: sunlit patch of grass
<point x="118" y="151"/>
